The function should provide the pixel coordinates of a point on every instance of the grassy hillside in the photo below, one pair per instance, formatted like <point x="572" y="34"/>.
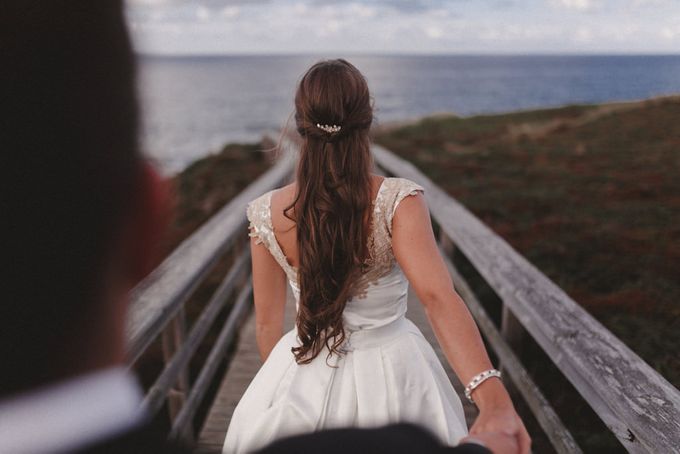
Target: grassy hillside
<point x="209" y="183"/>
<point x="589" y="194"/>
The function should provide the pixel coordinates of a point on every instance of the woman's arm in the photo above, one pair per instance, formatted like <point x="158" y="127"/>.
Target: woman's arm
<point x="417" y="253"/>
<point x="269" y="293"/>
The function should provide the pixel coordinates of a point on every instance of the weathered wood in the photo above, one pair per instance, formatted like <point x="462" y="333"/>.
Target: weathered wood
<point x="240" y="372"/>
<point x="157" y="303"/>
<point x="640" y="407"/>
<point x="215" y="357"/>
<point x="172" y="340"/>
<point x="169" y="347"/>
<point x="512" y="331"/>
<point x="446" y="245"/>
<point x="158" y="297"/>
<point x="511" y="328"/>
<point x="156" y="395"/>
<point x="559" y="436"/>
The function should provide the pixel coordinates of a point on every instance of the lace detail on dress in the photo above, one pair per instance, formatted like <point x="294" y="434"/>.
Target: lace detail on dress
<point x="381" y="258"/>
<point x="262" y="229"/>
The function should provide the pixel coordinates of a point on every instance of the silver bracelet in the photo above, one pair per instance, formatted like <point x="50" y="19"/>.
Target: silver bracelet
<point x="478" y="380"/>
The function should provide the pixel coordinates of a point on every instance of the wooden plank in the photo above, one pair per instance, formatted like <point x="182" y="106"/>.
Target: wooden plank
<point x="172" y="339"/>
<point x="244" y="365"/>
<point x="640" y="407"/>
<point x="173" y="368"/>
<point x="215" y="357"/>
<point x="158" y="297"/>
<point x="512" y="332"/>
<point x="416" y="313"/>
<point x="550" y="422"/>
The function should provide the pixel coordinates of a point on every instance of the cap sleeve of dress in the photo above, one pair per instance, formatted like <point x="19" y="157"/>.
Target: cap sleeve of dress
<point x="257" y="213"/>
<point x="262" y="231"/>
<point x="399" y="189"/>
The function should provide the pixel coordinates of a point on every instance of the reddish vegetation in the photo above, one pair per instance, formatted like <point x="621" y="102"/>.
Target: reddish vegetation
<point x="208" y="184"/>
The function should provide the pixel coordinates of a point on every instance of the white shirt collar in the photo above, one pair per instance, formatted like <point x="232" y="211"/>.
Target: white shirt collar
<point x="71" y="414"/>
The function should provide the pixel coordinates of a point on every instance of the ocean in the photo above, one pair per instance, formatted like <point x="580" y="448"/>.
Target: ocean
<point x="191" y="106"/>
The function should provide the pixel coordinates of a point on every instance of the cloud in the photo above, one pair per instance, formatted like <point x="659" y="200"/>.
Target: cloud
<point x="651" y="3"/>
<point x="203" y="13"/>
<point x="230" y="12"/>
<point x="434" y="32"/>
<point x="419" y="26"/>
<point x="405" y="6"/>
<point x="578" y="5"/>
<point x="671" y="32"/>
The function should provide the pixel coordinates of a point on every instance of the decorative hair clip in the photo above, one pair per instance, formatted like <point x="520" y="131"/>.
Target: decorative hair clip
<point x="330" y="129"/>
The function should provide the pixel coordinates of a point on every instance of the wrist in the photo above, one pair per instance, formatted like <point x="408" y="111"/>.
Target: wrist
<point x="491" y="394"/>
<point x="473" y="440"/>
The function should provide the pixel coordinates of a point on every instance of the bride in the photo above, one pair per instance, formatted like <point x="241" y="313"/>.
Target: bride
<point x="349" y="243"/>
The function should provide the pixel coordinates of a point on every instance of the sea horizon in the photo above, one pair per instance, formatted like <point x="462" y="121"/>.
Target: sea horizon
<point x="194" y="104"/>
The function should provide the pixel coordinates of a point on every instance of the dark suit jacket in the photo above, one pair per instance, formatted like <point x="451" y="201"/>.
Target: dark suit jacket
<point x="393" y="439"/>
<point x="141" y="440"/>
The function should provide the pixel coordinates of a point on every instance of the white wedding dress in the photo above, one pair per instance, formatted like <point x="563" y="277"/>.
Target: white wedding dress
<point x="388" y="373"/>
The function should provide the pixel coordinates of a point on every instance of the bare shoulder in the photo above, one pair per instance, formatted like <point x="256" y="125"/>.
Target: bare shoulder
<point x="283" y="196"/>
<point x="281" y="199"/>
<point x="411" y="222"/>
<point x="412" y="237"/>
<point x="288" y="189"/>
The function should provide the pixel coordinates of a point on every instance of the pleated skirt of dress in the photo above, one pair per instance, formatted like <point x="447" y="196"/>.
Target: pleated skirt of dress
<point x="388" y="374"/>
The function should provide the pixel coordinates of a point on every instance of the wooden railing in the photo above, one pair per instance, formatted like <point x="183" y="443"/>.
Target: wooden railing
<point x="157" y="305"/>
<point x="638" y="405"/>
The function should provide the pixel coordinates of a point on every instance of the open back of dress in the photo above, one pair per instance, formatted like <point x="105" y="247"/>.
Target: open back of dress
<point x="387" y="373"/>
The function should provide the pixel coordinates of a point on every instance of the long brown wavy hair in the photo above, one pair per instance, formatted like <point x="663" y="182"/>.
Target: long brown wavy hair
<point x="332" y="206"/>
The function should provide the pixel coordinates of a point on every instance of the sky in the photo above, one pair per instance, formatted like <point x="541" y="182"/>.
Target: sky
<point x="196" y="27"/>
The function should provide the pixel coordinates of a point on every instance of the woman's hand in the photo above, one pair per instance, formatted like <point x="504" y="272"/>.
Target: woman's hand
<point x="496" y="442"/>
<point x="503" y="419"/>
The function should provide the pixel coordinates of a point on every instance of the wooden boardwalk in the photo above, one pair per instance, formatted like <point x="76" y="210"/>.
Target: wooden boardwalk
<point x="246" y="363"/>
<point x="634" y="402"/>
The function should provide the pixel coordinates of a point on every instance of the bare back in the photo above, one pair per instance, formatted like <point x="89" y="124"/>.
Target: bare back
<point x="285" y="230"/>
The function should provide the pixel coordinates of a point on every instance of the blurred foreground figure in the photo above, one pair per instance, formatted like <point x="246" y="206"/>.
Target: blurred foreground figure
<point x="81" y="213"/>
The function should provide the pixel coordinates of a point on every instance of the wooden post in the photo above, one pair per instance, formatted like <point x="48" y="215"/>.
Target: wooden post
<point x="511" y="328"/>
<point x="173" y="337"/>
<point x="237" y="249"/>
<point x="512" y="331"/>
<point x="446" y="244"/>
